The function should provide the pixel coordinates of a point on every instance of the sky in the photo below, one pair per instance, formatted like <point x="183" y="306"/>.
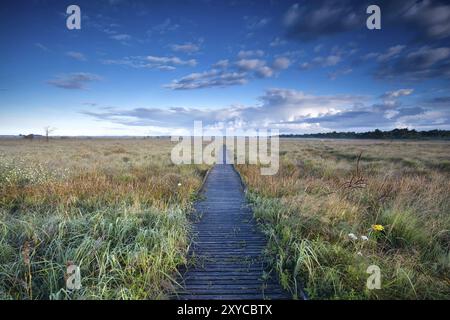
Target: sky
<point x="141" y="67"/>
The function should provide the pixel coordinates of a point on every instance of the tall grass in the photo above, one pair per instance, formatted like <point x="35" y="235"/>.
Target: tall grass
<point x="322" y="193"/>
<point x="115" y="208"/>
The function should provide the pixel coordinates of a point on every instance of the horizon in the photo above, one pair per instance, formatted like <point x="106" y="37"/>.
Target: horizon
<point x="152" y="69"/>
<point x="282" y="135"/>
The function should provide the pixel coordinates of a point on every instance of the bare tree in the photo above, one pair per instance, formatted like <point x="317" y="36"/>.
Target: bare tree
<point x="47" y="131"/>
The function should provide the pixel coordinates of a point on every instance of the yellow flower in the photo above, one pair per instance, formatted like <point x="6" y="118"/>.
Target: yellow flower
<point x="377" y="227"/>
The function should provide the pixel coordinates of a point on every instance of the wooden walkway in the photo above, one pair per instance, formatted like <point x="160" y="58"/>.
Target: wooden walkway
<point x="226" y="254"/>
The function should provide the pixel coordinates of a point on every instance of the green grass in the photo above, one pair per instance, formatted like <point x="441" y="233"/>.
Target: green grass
<point x="119" y="210"/>
<point x="123" y="254"/>
<point x="319" y="197"/>
<point x="123" y="221"/>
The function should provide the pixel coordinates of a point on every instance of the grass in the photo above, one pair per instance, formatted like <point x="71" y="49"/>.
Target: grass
<point x="116" y="208"/>
<point x="322" y="193"/>
<point x="119" y="210"/>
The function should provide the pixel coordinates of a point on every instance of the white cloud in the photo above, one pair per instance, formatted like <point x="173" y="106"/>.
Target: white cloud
<point x="277" y="42"/>
<point x="250" y="53"/>
<point x="185" y="47"/>
<point x="264" y="72"/>
<point x="285" y="109"/>
<point x="277" y="108"/>
<point x="225" y="73"/>
<point x="397" y="93"/>
<point x="208" y="79"/>
<point x="121" y="37"/>
<point x="250" y="64"/>
<point x="257" y="66"/>
<point x="281" y="63"/>
<point x="392" y="52"/>
<point x="389" y="54"/>
<point x="152" y="62"/>
<point x="326" y="61"/>
<point x="76" y="80"/>
<point x="341" y="72"/>
<point x="76" y="55"/>
<point x="222" y="63"/>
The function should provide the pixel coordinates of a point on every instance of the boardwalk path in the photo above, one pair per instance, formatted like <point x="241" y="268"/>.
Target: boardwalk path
<point x="227" y="247"/>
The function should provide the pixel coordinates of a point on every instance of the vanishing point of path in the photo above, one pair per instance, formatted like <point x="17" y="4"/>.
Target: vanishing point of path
<point x="226" y="254"/>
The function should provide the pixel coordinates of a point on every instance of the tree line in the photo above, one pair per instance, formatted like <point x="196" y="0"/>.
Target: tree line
<point x="378" y="134"/>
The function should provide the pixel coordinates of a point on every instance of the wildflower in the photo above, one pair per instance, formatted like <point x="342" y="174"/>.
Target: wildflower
<point x="377" y="227"/>
<point x="179" y="184"/>
<point x="364" y="238"/>
<point x="352" y="236"/>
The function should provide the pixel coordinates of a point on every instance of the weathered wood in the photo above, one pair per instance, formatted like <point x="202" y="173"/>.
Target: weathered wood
<point x="227" y="251"/>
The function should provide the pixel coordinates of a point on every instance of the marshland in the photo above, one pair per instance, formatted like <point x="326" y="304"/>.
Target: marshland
<point x="116" y="208"/>
<point x="337" y="207"/>
<point x="119" y="209"/>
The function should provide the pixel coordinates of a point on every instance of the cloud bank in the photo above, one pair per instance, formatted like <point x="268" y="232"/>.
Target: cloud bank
<point x="292" y="111"/>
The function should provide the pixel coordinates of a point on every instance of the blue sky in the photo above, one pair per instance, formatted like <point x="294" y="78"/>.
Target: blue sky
<point x="153" y="67"/>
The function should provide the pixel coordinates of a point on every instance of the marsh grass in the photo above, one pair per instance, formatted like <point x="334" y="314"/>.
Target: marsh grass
<point x="322" y="193"/>
<point x="116" y="208"/>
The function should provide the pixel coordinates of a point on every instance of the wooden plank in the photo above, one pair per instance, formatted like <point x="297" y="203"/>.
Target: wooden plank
<point x="227" y="252"/>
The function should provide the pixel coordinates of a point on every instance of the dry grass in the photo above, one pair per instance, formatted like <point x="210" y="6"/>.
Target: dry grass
<point x="322" y="193"/>
<point x="116" y="208"/>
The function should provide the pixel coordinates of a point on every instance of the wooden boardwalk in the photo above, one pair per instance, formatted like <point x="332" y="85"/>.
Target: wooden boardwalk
<point x="226" y="253"/>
